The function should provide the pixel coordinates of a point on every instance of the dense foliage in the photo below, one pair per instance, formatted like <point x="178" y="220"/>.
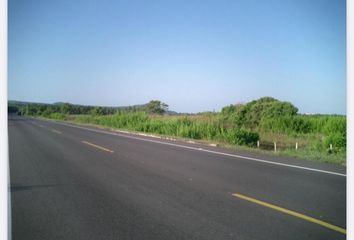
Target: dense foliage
<point x="184" y="127"/>
<point x="155" y="107"/>
<point x="253" y="113"/>
<point x="266" y="120"/>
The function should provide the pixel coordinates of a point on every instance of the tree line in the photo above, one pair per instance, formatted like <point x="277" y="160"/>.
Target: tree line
<point x="45" y="110"/>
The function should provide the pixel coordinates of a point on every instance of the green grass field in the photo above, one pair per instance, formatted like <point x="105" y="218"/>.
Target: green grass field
<point x="210" y="129"/>
<point x="265" y="121"/>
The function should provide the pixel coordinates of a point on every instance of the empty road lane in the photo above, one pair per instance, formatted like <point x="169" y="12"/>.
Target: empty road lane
<point x="72" y="182"/>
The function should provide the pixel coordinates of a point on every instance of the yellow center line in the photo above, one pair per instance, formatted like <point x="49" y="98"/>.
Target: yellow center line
<point x="56" y="131"/>
<point x="293" y="213"/>
<point x="99" y="147"/>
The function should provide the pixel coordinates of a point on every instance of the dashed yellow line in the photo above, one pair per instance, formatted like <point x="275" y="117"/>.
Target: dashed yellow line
<point x="292" y="213"/>
<point x="96" y="146"/>
<point x="56" y="131"/>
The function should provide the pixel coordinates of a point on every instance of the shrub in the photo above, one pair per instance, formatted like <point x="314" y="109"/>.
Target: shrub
<point x="58" y="116"/>
<point x="338" y="142"/>
<point x="242" y="137"/>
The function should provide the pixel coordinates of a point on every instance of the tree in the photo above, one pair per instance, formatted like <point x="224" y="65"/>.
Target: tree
<point x="253" y="113"/>
<point x="156" y="107"/>
<point x="65" y="108"/>
<point x="12" y="109"/>
<point x="232" y="108"/>
<point x="98" y="111"/>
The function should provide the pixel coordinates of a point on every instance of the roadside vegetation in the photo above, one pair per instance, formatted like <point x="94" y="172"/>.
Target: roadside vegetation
<point x="260" y="124"/>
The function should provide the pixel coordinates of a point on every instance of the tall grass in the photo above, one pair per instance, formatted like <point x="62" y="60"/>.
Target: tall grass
<point x="320" y="131"/>
<point x="185" y="127"/>
<point x="313" y="134"/>
<point x="267" y="120"/>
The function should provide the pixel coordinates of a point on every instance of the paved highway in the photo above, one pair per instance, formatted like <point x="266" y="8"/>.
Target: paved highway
<point x="72" y="182"/>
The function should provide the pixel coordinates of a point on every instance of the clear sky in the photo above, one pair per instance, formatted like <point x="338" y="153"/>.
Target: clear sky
<point x="193" y="55"/>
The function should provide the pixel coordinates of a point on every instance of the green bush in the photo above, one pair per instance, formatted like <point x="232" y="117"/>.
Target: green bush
<point x="58" y="116"/>
<point x="242" y="137"/>
<point x="242" y="124"/>
<point x="338" y="142"/>
<point x="335" y="125"/>
<point x="289" y="125"/>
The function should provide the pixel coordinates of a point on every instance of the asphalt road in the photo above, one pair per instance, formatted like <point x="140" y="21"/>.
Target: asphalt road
<point x="70" y="182"/>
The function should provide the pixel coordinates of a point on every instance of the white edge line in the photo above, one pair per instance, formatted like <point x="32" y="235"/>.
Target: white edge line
<point x="205" y="150"/>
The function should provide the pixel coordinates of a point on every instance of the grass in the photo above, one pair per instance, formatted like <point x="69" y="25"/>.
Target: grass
<point x="267" y="120"/>
<point x="306" y="154"/>
<point x="213" y="129"/>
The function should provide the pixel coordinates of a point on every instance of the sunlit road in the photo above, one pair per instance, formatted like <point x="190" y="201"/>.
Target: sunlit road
<point x="70" y="182"/>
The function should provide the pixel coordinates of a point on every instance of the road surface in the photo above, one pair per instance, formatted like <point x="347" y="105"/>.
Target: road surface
<point x="72" y="182"/>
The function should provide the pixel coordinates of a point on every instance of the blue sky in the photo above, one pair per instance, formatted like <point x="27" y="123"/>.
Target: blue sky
<point x="193" y="55"/>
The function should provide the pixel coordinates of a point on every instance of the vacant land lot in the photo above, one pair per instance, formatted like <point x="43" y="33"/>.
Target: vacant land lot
<point x="265" y="124"/>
